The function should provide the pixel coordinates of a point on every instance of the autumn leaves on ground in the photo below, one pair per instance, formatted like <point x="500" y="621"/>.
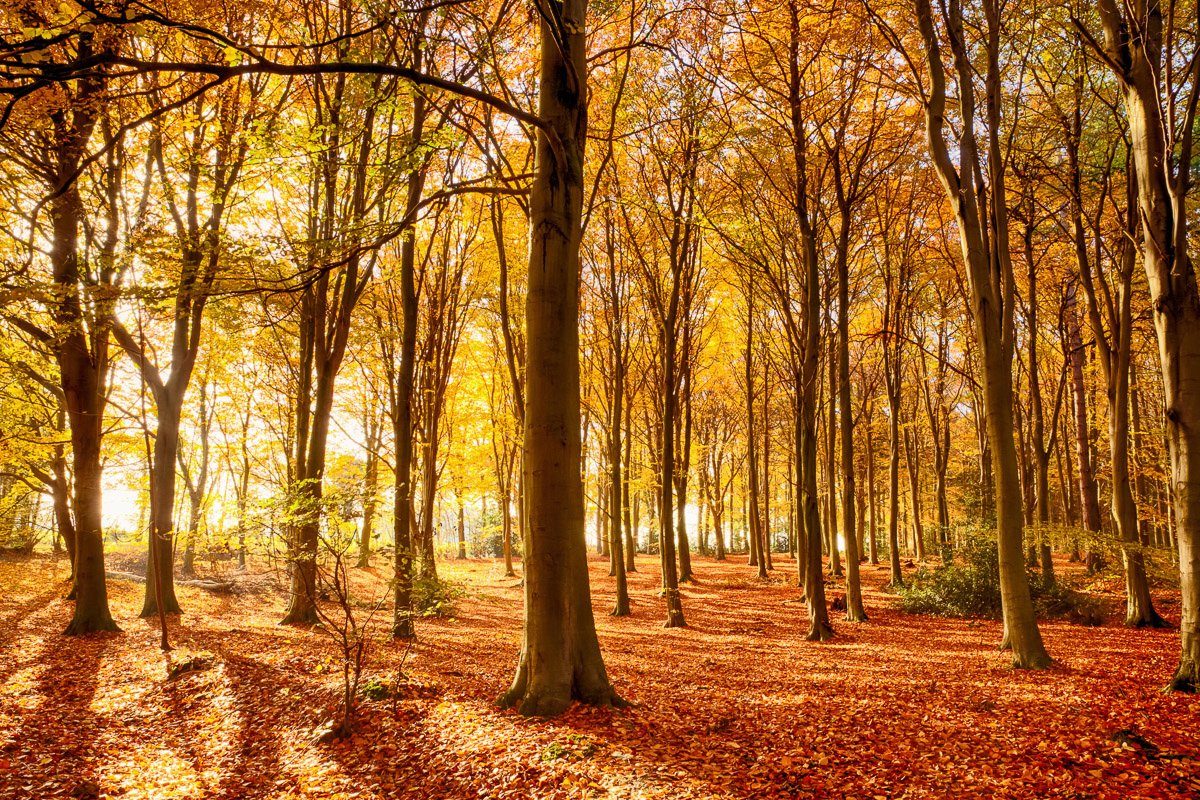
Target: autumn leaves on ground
<point x="736" y="705"/>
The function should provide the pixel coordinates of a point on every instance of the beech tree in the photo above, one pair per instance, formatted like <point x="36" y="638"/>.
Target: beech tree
<point x="560" y="657"/>
<point x="1162" y="136"/>
<point x="54" y="146"/>
<point x="983" y="235"/>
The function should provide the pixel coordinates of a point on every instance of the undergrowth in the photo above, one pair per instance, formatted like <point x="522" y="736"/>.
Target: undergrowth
<point x="968" y="585"/>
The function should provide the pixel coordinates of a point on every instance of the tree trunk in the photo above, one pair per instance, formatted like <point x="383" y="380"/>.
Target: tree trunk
<point x="913" y="457"/>
<point x="897" y="574"/>
<point x="683" y="459"/>
<point x="560" y="655"/>
<point x="370" y="489"/>
<point x="831" y="521"/>
<point x="506" y="532"/>
<point x="1171" y="276"/>
<point x="160" y="558"/>
<point x="754" y="535"/>
<point x="82" y="369"/>
<point x="764" y="545"/>
<point x="666" y="516"/>
<point x="983" y="237"/>
<point x="628" y="505"/>
<point x="873" y="531"/>
<point x="855" y="612"/>
<point x="616" y="479"/>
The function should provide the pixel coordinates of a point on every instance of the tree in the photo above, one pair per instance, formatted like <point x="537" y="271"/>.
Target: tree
<point x="54" y="148"/>
<point x="1162" y="135"/>
<point x="560" y="657"/>
<point x="983" y="237"/>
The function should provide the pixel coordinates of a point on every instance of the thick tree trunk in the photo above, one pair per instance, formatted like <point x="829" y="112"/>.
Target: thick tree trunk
<point x="1139" y="607"/>
<point x="560" y="655"/>
<point x="91" y="591"/>
<point x="82" y="371"/>
<point x="983" y="234"/>
<point x="810" y="516"/>
<point x="1020" y="625"/>
<point x="1171" y="276"/>
<point x="160" y="558"/>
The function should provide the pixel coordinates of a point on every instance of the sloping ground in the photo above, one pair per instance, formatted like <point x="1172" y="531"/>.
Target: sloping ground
<point x="735" y="706"/>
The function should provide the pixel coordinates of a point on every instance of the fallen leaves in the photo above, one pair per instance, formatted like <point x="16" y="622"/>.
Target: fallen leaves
<point x="735" y="706"/>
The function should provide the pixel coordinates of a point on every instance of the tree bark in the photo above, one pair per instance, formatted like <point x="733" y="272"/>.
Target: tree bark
<point x="1162" y="188"/>
<point x="983" y="236"/>
<point x="560" y="655"/>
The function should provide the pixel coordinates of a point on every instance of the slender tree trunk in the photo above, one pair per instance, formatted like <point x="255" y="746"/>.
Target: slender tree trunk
<point x="683" y="459"/>
<point x="831" y="521"/>
<point x="370" y="489"/>
<point x="764" y="545"/>
<point x="628" y="504"/>
<point x="754" y="534"/>
<point x="913" y="457"/>
<point x="806" y="353"/>
<point x="666" y="516"/>
<point x="897" y="574"/>
<point x="873" y="537"/>
<point x="983" y="234"/>
<point x="616" y="478"/>
<point x="1089" y="494"/>
<point x="855" y="612"/>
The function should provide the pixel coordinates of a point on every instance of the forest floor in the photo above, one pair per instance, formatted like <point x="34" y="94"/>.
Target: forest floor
<point x="737" y="705"/>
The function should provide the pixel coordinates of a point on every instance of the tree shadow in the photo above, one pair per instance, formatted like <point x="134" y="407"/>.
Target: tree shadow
<point x="14" y="624"/>
<point x="56" y="748"/>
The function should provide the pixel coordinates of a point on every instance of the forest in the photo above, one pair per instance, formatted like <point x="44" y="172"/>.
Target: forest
<point x="610" y="399"/>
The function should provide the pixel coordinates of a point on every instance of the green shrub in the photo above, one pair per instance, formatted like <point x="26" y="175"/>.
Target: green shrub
<point x="375" y="689"/>
<point x="435" y="597"/>
<point x="966" y="587"/>
<point x="969" y="586"/>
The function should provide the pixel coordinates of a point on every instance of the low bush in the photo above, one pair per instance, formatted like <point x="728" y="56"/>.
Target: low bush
<point x="1062" y="602"/>
<point x="375" y="689"/>
<point x="436" y="597"/>
<point x="969" y="586"/>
